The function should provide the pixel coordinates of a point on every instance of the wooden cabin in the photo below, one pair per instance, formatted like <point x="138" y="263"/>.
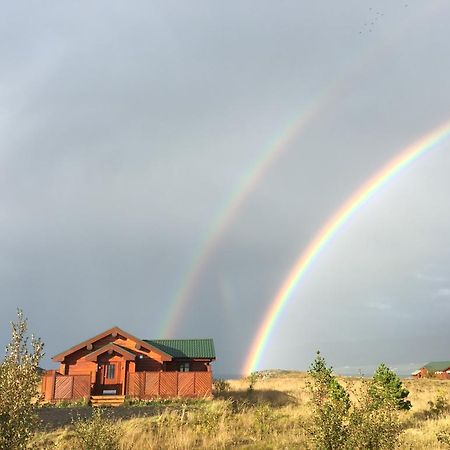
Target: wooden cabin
<point x="116" y="363"/>
<point x="435" y="369"/>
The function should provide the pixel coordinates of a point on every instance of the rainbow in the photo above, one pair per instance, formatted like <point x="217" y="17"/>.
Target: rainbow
<point x="216" y="229"/>
<point x="328" y="231"/>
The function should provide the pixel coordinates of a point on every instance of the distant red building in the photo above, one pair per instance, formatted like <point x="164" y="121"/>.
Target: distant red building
<point x="437" y="369"/>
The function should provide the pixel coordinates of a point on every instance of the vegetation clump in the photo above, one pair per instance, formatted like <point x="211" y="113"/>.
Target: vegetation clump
<point x="19" y="381"/>
<point x="369" y="422"/>
<point x="387" y="387"/>
<point x="97" y="433"/>
<point x="220" y="386"/>
<point x="331" y="405"/>
<point x="438" y="407"/>
<point x="251" y="380"/>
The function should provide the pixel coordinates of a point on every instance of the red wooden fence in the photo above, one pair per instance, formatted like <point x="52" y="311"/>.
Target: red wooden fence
<point x="65" y="387"/>
<point x="146" y="385"/>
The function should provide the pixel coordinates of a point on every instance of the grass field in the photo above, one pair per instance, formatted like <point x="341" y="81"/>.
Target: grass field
<point x="276" y="414"/>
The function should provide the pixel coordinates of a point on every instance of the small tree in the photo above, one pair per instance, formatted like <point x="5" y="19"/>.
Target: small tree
<point x="370" y="423"/>
<point x="97" y="432"/>
<point x="19" y="379"/>
<point x="220" y="386"/>
<point x="331" y="405"/>
<point x="252" y="379"/>
<point x="387" y="387"/>
<point x="374" y="424"/>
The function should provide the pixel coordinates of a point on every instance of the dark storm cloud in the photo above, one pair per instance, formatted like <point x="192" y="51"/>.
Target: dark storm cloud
<point x="124" y="129"/>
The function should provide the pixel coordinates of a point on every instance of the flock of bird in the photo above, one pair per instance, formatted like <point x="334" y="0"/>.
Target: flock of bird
<point x="372" y="20"/>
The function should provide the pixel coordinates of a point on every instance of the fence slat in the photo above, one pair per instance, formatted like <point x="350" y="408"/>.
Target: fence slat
<point x="203" y="383"/>
<point x="168" y="385"/>
<point x="186" y="384"/>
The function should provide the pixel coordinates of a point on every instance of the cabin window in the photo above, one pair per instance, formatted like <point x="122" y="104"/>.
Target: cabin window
<point x="110" y="371"/>
<point x="184" y="367"/>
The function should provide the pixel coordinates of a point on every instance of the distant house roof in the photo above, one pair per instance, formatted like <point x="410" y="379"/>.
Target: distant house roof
<point x="435" y="366"/>
<point x="185" y="348"/>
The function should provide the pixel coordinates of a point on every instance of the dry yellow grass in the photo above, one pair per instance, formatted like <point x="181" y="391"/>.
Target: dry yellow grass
<point x="275" y="415"/>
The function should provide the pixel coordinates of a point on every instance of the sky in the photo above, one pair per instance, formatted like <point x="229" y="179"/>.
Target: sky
<point x="126" y="127"/>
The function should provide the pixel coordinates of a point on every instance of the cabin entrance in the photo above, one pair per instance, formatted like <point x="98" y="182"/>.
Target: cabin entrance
<point x="109" y="378"/>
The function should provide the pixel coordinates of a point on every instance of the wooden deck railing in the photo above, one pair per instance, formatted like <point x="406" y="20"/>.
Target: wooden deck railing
<point x="145" y="385"/>
<point x="56" y="387"/>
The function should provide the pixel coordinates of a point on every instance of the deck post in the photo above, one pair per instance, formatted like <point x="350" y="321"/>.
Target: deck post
<point x="53" y="388"/>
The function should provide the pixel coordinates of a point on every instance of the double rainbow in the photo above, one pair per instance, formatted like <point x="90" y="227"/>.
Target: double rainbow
<point x="227" y="212"/>
<point x="329" y="230"/>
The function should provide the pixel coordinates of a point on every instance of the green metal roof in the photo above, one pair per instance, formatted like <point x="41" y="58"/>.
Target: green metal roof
<point x="185" y="348"/>
<point x="436" y="366"/>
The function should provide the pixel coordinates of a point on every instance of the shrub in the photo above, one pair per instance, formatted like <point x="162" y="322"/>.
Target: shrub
<point x="221" y="386"/>
<point x="370" y="423"/>
<point x="252" y="379"/>
<point x="265" y="420"/>
<point x="386" y="386"/>
<point x="97" y="432"/>
<point x="373" y="424"/>
<point x="19" y="380"/>
<point x="81" y="403"/>
<point x="443" y="437"/>
<point x="331" y="404"/>
<point x="437" y="408"/>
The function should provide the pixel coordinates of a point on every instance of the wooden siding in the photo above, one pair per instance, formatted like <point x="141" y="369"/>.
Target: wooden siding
<point x="147" y="364"/>
<point x="145" y="385"/>
<point x="194" y="366"/>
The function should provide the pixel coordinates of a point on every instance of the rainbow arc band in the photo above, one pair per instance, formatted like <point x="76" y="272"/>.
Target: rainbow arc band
<point x="328" y="231"/>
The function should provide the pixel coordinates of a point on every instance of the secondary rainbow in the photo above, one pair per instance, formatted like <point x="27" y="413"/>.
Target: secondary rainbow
<point x="229" y="210"/>
<point x="328" y="231"/>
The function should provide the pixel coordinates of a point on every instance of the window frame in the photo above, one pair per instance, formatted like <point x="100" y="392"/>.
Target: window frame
<point x="110" y="371"/>
<point x="185" y="366"/>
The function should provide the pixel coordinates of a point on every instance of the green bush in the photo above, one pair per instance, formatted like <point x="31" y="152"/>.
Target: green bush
<point x="82" y="402"/>
<point x="438" y="408"/>
<point x="387" y="387"/>
<point x="19" y="381"/>
<point x="220" y="386"/>
<point x="265" y="420"/>
<point x="443" y="437"/>
<point x="373" y="424"/>
<point x="370" y="422"/>
<point x="252" y="379"/>
<point x="331" y="404"/>
<point x="97" y="432"/>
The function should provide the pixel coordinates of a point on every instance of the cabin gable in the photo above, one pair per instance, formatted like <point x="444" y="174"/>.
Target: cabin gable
<point x="77" y="354"/>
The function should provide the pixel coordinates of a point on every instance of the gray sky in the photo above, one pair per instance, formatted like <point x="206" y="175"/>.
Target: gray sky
<point x="124" y="128"/>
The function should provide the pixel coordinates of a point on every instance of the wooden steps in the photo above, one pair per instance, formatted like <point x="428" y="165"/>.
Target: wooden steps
<point x="107" y="400"/>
